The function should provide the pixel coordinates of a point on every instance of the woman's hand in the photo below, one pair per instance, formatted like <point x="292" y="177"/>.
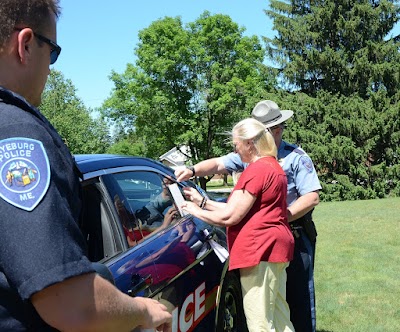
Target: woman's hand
<point x="191" y="208"/>
<point x="193" y="195"/>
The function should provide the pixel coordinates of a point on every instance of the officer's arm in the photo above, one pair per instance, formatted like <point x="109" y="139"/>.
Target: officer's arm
<point x="90" y="303"/>
<point x="203" y="168"/>
<point x="303" y="205"/>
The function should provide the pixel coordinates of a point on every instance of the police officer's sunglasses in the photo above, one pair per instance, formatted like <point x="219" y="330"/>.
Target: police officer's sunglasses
<point x="55" y="48"/>
<point x="281" y="125"/>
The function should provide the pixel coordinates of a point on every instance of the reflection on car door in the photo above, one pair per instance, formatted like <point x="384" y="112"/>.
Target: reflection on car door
<point x="142" y="201"/>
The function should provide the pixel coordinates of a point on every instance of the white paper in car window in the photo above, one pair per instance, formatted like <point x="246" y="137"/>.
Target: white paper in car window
<point x="178" y="198"/>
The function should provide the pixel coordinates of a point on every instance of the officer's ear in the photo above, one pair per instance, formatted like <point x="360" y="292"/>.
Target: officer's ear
<point x="25" y="47"/>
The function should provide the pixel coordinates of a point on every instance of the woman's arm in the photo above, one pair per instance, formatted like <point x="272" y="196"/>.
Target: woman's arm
<point x="194" y="196"/>
<point x="223" y="214"/>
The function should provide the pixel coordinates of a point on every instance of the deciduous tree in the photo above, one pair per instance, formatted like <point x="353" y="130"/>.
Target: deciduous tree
<point x="74" y="123"/>
<point x="189" y="84"/>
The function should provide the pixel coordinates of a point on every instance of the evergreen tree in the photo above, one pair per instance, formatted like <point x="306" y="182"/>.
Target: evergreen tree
<point x="340" y="46"/>
<point x="353" y="142"/>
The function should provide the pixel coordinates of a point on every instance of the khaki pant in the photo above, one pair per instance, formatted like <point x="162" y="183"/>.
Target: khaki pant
<point x="264" y="297"/>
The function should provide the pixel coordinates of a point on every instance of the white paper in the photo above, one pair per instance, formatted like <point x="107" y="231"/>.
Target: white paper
<point x="219" y="250"/>
<point x="178" y="198"/>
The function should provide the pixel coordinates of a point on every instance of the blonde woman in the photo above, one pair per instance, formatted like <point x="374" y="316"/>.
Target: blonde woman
<point x="259" y="237"/>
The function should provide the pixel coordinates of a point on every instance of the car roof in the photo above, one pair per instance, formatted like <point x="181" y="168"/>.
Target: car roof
<point x="88" y="163"/>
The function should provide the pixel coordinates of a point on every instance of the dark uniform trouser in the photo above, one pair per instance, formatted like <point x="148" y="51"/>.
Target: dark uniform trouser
<point x="300" y="293"/>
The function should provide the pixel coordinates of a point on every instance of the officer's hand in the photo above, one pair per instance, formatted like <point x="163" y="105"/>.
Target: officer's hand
<point x="183" y="173"/>
<point x="155" y="315"/>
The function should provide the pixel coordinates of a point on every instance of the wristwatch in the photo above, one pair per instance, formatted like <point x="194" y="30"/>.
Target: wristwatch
<point x="193" y="170"/>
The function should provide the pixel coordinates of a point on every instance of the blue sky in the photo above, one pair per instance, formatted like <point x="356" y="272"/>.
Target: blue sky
<point x="98" y="36"/>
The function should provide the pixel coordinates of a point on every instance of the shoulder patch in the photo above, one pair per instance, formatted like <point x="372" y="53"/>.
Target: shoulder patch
<point x="24" y="172"/>
<point x="299" y="151"/>
<point x="307" y="163"/>
<point x="294" y="149"/>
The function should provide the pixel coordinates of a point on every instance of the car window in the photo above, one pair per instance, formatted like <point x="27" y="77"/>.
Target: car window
<point x="143" y="203"/>
<point x="96" y="224"/>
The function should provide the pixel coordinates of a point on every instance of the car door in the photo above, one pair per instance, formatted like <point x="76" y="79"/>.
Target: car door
<point x="150" y="249"/>
<point x="150" y="219"/>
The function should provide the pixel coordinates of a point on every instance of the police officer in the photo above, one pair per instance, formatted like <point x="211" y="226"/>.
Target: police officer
<point x="303" y="196"/>
<point x="46" y="281"/>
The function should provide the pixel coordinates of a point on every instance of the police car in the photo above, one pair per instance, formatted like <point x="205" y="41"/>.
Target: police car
<point x="133" y="226"/>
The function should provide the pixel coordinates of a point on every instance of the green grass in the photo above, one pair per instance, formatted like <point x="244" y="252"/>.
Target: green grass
<point x="219" y="183"/>
<point x="357" y="269"/>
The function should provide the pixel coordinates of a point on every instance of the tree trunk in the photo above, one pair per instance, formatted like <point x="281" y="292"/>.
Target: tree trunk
<point x="225" y="180"/>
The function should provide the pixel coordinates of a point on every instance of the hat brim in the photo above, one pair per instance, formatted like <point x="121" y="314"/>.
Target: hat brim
<point x="286" y="114"/>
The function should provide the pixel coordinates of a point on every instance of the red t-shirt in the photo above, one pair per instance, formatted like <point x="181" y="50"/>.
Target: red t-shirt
<point x="264" y="233"/>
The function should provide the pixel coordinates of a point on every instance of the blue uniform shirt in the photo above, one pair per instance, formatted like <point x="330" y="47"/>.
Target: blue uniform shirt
<point x="40" y="203"/>
<point x="297" y="165"/>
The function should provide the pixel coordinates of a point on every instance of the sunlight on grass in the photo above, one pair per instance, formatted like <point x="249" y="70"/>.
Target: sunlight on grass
<point x="357" y="266"/>
<point x="219" y="183"/>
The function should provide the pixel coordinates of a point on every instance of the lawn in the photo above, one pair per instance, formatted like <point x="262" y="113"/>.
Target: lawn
<point x="357" y="272"/>
<point x="357" y="269"/>
<point x="219" y="183"/>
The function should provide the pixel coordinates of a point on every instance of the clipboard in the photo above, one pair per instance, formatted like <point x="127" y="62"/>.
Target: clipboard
<point x="177" y="197"/>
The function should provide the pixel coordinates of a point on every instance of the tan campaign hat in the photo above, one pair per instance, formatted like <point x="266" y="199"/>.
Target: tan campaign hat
<point x="269" y="113"/>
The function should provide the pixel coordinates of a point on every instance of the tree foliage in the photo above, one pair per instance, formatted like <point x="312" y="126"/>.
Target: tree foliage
<point x="342" y="60"/>
<point x="130" y="145"/>
<point x="189" y="84"/>
<point x="72" y="120"/>
<point x="336" y="46"/>
<point x="353" y="142"/>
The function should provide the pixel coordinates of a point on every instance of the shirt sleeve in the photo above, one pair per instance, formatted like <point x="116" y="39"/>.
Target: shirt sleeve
<point x="43" y="246"/>
<point x="305" y="175"/>
<point x="233" y="163"/>
<point x="251" y="179"/>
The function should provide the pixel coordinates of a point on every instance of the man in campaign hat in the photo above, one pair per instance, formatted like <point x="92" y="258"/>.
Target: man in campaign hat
<point x="302" y="197"/>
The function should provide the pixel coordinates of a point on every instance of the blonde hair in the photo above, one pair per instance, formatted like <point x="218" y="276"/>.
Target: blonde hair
<point x="251" y="129"/>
